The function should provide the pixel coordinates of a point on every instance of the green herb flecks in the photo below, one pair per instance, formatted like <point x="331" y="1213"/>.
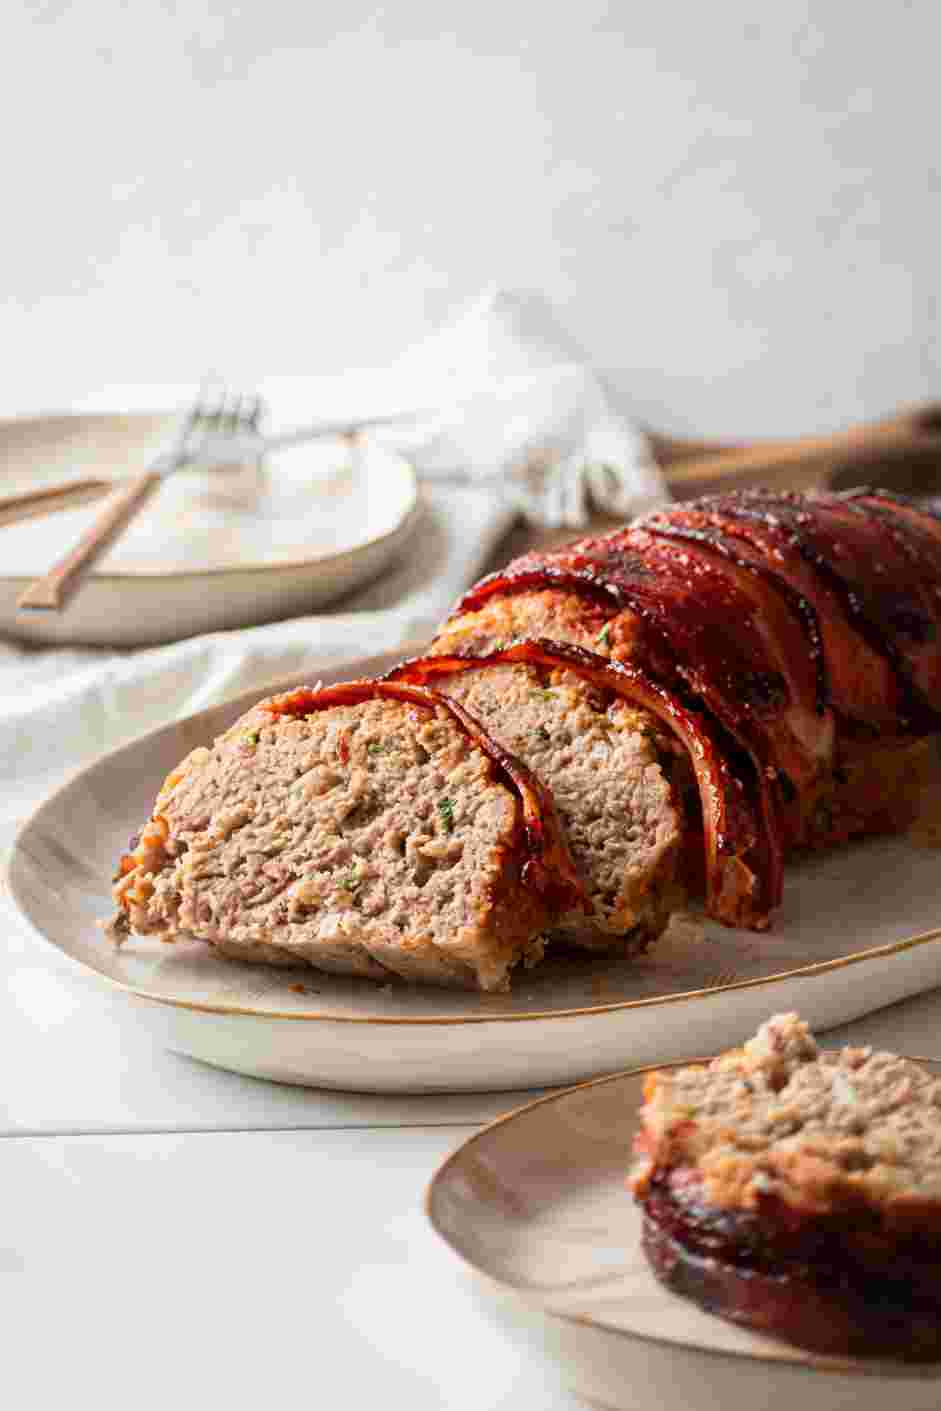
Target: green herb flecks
<point x="376" y="747"/>
<point x="446" y="814"/>
<point x="350" y="881"/>
<point x="252" y="738"/>
<point x="602" y="637"/>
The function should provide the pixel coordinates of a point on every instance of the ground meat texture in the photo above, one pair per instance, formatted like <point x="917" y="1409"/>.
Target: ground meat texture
<point x="563" y="617"/>
<point x="372" y="839"/>
<point x="799" y="1192"/>
<point x="607" y="767"/>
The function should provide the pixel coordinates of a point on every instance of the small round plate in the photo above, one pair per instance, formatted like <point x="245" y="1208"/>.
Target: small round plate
<point x="855" y="933"/>
<point x="211" y="549"/>
<point x="536" y="1202"/>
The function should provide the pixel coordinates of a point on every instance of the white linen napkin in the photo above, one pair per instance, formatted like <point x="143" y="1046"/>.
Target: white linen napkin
<point x="511" y="389"/>
<point x="521" y="410"/>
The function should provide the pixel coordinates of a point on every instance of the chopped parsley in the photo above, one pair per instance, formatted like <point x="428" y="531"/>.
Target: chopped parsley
<point x="446" y="812"/>
<point x="252" y="737"/>
<point x="376" y="747"/>
<point x="349" y="881"/>
<point x="545" y="692"/>
<point x="602" y="636"/>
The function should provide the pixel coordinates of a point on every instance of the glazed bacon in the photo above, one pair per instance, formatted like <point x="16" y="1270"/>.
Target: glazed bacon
<point x="796" y="626"/>
<point x="743" y="860"/>
<point x="814" y="1289"/>
<point x="886" y="590"/>
<point x="863" y="561"/>
<point x="857" y="680"/>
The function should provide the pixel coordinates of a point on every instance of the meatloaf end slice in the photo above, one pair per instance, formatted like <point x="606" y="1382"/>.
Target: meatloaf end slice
<point x="798" y="1192"/>
<point x="371" y="838"/>
<point x="608" y="767"/>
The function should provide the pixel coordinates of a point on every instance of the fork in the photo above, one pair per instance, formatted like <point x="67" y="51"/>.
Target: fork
<point x="213" y="415"/>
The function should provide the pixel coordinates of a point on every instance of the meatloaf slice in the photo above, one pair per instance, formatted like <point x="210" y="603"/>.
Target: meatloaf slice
<point x="583" y="620"/>
<point x="365" y="829"/>
<point x="798" y="1192"/>
<point x="608" y="767"/>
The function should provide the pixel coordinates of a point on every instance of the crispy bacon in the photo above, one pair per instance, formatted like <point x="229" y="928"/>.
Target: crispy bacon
<point x="859" y="680"/>
<point x="743" y="858"/>
<point x="873" y="602"/>
<point x="920" y="516"/>
<point x="547" y="868"/>
<point x="885" y="588"/>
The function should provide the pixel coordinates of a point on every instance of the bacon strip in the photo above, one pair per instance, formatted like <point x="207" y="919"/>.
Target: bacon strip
<point x="884" y="587"/>
<point x="860" y="682"/>
<point x="849" y="561"/>
<point x="743" y="856"/>
<point x="548" y="868"/>
<point x="921" y="516"/>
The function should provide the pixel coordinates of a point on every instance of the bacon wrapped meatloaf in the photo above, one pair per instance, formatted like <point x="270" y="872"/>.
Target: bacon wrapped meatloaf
<point x="690" y="699"/>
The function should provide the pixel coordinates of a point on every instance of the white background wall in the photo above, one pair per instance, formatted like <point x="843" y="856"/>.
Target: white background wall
<point x="736" y="204"/>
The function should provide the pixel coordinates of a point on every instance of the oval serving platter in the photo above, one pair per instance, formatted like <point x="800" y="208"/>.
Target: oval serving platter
<point x="857" y="931"/>
<point x="536" y="1203"/>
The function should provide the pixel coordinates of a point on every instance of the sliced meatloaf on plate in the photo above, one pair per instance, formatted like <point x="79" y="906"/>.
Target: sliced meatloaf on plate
<point x="798" y="1191"/>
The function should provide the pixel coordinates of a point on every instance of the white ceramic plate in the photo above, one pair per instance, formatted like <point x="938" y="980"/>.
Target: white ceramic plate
<point x="211" y="549"/>
<point x="536" y="1203"/>
<point x="856" y="932"/>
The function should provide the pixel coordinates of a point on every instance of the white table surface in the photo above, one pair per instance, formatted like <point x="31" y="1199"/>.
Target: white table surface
<point x="191" y="1234"/>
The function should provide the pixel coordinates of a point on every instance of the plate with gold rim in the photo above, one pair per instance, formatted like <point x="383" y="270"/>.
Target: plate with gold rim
<point x="535" y="1204"/>
<point x="859" y="929"/>
<point x="212" y="549"/>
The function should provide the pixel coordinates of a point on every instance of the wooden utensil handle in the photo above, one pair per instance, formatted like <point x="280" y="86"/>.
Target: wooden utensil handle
<point x="909" y="440"/>
<point x="52" y="592"/>
<point x="29" y="503"/>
